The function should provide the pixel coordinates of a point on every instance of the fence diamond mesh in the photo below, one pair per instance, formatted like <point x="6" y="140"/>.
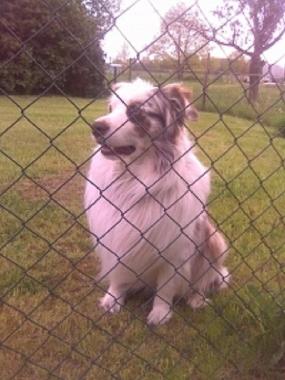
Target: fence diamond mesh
<point x="52" y="326"/>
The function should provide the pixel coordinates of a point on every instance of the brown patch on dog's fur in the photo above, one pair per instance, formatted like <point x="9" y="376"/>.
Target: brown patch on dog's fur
<point x="191" y="111"/>
<point x="136" y="116"/>
<point x="208" y="269"/>
<point x="176" y="100"/>
<point x="214" y="242"/>
<point x="181" y="95"/>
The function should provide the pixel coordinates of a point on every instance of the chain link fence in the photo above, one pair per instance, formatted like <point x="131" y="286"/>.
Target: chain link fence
<point x="51" y="325"/>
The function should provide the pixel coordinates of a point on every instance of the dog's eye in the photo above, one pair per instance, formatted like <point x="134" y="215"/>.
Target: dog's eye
<point x="135" y="113"/>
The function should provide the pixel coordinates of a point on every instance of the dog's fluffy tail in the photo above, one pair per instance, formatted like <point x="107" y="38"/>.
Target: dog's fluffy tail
<point x="214" y="246"/>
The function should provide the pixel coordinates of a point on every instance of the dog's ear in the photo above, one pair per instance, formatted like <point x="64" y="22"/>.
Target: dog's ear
<point x="180" y="99"/>
<point x="191" y="112"/>
<point x="115" y="86"/>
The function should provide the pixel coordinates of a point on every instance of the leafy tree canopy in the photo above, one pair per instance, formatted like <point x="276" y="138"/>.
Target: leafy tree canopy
<point x="47" y="45"/>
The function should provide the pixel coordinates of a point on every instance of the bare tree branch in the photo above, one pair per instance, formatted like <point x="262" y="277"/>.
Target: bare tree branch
<point x="231" y="43"/>
<point x="276" y="39"/>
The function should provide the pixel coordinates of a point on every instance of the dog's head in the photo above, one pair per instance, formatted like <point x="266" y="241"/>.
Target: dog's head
<point x="142" y="117"/>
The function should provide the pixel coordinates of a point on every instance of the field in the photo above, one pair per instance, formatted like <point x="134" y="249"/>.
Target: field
<point x="50" y="323"/>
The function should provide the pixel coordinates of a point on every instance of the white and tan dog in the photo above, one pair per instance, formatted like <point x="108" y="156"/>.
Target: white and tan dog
<point x="145" y="201"/>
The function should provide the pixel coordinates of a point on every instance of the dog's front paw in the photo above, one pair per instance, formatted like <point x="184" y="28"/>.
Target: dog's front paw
<point x="197" y="301"/>
<point x="110" y="303"/>
<point x="159" y="315"/>
<point x="224" y="278"/>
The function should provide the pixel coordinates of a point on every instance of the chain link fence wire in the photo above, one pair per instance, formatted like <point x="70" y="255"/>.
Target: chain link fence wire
<point x="51" y="326"/>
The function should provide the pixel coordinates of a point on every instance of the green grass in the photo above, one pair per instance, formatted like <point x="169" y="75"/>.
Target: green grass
<point x="50" y="323"/>
<point x="231" y="99"/>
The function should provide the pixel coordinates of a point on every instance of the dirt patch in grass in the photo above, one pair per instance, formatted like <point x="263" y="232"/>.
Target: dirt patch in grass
<point x="66" y="188"/>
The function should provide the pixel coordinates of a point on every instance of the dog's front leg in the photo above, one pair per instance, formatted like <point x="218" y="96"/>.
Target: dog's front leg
<point x="162" y="306"/>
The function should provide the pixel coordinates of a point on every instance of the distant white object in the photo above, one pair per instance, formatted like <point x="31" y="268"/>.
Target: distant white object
<point x="269" y="84"/>
<point x="271" y="75"/>
<point x="117" y="65"/>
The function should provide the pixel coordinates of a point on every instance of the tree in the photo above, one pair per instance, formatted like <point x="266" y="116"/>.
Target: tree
<point x="254" y="27"/>
<point x="45" y="50"/>
<point x="181" y="37"/>
<point x="103" y="11"/>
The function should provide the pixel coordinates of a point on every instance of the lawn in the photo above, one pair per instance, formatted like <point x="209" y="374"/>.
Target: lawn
<point x="50" y="323"/>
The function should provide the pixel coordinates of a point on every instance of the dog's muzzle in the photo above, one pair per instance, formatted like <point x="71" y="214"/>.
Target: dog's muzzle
<point x="100" y="132"/>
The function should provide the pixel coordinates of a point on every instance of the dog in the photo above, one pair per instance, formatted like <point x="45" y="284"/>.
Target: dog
<point x="145" y="199"/>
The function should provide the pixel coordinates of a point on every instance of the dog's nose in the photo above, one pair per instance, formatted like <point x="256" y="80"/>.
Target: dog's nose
<point x="99" y="129"/>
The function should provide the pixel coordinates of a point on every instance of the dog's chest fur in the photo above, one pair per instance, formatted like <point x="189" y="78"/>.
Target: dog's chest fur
<point x="136" y="206"/>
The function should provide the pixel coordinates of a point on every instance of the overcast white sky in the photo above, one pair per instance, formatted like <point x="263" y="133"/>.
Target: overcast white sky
<point x="140" y="24"/>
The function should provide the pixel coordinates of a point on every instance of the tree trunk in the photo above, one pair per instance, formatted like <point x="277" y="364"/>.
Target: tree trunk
<point x="179" y="66"/>
<point x="255" y="75"/>
<point x="179" y="61"/>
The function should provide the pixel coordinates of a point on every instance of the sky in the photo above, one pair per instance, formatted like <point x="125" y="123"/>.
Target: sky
<point x="139" y="25"/>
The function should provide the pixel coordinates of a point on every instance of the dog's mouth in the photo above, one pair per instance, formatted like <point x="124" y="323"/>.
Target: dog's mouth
<point x="125" y="150"/>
